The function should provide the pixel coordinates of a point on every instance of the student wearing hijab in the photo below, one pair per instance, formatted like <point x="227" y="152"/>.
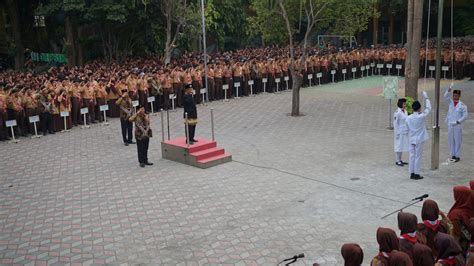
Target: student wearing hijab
<point x="352" y="254"/>
<point x="448" y="250"/>
<point x="388" y="241"/>
<point x="407" y="223"/>
<point x="470" y="251"/>
<point x="422" y="255"/>
<point x="460" y="213"/>
<point x="399" y="258"/>
<point x="430" y="226"/>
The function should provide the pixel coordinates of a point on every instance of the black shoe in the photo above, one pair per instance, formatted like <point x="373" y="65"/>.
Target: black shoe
<point x="457" y="159"/>
<point x="404" y="163"/>
<point x="191" y="143"/>
<point x="126" y="144"/>
<point x="412" y="175"/>
<point x="52" y="132"/>
<point x="142" y="165"/>
<point x="417" y="177"/>
<point x="399" y="163"/>
<point x="132" y="142"/>
<point x="194" y="140"/>
<point x="148" y="163"/>
<point x="454" y="157"/>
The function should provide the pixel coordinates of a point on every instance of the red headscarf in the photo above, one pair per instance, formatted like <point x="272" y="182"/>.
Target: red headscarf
<point x="352" y="254"/>
<point x="399" y="258"/>
<point x="463" y="208"/>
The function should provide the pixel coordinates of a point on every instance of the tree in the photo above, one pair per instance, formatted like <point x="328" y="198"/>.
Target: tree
<point x="12" y="7"/>
<point x="412" y="63"/>
<point x="178" y="13"/>
<point x="346" y="17"/>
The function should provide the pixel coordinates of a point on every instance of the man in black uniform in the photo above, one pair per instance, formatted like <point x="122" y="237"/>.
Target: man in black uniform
<point x="190" y="108"/>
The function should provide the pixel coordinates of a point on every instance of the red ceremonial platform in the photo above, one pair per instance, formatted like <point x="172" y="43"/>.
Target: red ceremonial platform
<point x="202" y="154"/>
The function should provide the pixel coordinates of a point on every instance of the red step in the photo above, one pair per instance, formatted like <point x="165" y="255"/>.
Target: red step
<point x="214" y="158"/>
<point x="203" y="154"/>
<point x="202" y="145"/>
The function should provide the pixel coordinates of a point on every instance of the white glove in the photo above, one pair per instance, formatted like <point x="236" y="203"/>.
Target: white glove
<point x="451" y="86"/>
<point x="425" y="95"/>
<point x="454" y="123"/>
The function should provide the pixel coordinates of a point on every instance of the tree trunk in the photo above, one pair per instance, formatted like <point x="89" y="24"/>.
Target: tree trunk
<point x="70" y="42"/>
<point x="168" y="47"/>
<point x="295" y="101"/>
<point x="80" y="51"/>
<point x="3" y="32"/>
<point x="375" y="25"/>
<point x="415" y="19"/>
<point x="391" y="27"/>
<point x="16" y="30"/>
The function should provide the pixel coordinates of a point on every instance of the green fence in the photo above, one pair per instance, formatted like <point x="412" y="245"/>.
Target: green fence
<point x="45" y="57"/>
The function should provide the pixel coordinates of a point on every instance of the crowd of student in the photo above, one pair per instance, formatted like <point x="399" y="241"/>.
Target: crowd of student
<point x="438" y="239"/>
<point x="66" y="90"/>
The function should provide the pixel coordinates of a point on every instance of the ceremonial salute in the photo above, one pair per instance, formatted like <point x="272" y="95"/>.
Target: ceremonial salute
<point x="143" y="134"/>
<point x="457" y="114"/>
<point x="190" y="109"/>
<point x="126" y="109"/>
<point x="417" y="135"/>
<point x="400" y="131"/>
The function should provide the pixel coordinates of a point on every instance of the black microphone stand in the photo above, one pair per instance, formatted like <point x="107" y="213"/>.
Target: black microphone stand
<point x="401" y="209"/>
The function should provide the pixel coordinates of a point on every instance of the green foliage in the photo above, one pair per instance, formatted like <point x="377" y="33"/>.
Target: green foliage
<point x="463" y="24"/>
<point x="336" y="16"/>
<point x="226" y="22"/>
<point x="410" y="102"/>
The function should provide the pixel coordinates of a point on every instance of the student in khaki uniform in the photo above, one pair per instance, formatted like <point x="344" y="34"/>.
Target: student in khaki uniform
<point x="126" y="110"/>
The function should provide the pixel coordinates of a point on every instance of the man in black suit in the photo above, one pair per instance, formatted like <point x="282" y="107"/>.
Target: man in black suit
<point x="190" y="108"/>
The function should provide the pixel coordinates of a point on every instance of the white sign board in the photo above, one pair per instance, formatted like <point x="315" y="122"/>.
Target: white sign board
<point x="151" y="99"/>
<point x="264" y="80"/>
<point x="319" y="75"/>
<point x="34" y="119"/>
<point x="432" y="68"/>
<point x="104" y="107"/>
<point x="379" y="65"/>
<point x="225" y="87"/>
<point x="310" y="76"/>
<point x="202" y="91"/>
<point x="287" y="78"/>
<point x="277" y="80"/>
<point x="135" y="103"/>
<point x="84" y="110"/>
<point x="237" y="84"/>
<point x="389" y="66"/>
<point x="250" y="82"/>
<point x="390" y="87"/>
<point x="354" y="69"/>
<point x="333" y="72"/>
<point x="445" y="68"/>
<point x="65" y="114"/>
<point x="172" y="96"/>
<point x="10" y="123"/>
<point x="344" y="71"/>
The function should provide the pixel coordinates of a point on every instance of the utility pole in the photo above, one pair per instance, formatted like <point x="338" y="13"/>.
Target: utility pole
<point x="439" y="46"/>
<point x="204" y="48"/>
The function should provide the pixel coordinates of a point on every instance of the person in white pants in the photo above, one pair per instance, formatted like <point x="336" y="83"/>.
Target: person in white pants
<point x="417" y="135"/>
<point x="400" y="131"/>
<point x="457" y="114"/>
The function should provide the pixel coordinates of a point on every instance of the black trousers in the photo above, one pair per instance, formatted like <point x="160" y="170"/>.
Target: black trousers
<point x="142" y="148"/>
<point x="46" y="120"/>
<point x="192" y="130"/>
<point x="127" y="128"/>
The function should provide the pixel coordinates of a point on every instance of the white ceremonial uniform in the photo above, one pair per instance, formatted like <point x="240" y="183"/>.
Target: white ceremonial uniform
<point x="400" y="131"/>
<point x="455" y="120"/>
<point x="417" y="135"/>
